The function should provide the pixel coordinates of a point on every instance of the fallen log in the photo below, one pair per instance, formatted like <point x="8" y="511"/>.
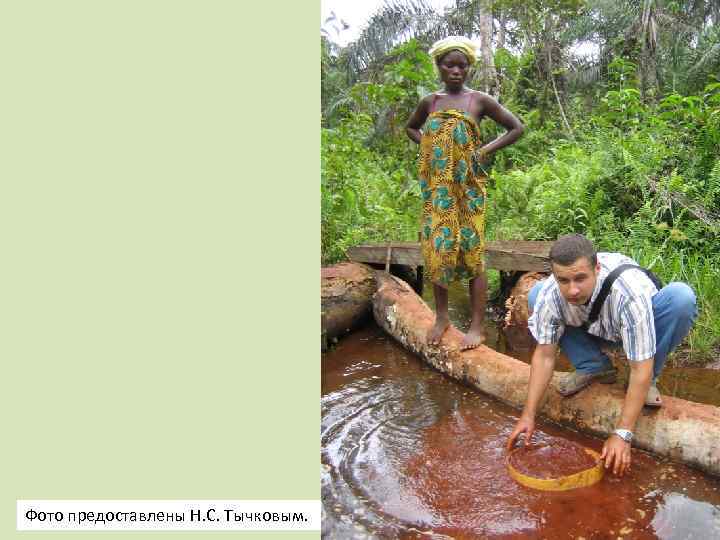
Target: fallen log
<point x="346" y="291"/>
<point x="515" y="324"/>
<point x="516" y="305"/>
<point x="682" y="430"/>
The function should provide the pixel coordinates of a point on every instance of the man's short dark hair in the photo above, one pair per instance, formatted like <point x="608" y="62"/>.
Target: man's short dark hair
<point x="571" y="247"/>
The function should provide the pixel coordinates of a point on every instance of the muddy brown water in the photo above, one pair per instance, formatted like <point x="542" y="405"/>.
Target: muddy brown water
<point x="407" y="452"/>
<point x="559" y="459"/>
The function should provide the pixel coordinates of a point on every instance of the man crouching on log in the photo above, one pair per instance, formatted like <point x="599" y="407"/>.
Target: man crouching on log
<point x="593" y="299"/>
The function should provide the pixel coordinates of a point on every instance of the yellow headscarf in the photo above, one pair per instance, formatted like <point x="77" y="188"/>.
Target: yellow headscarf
<point x="454" y="43"/>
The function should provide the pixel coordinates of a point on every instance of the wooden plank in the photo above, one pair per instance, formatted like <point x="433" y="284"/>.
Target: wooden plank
<point x="535" y="247"/>
<point x="525" y="256"/>
<point x="408" y="254"/>
<point x="518" y="255"/>
<point x="511" y="262"/>
<point x="383" y="245"/>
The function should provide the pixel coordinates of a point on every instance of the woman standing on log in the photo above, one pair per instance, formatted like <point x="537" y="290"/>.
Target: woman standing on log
<point x="453" y="183"/>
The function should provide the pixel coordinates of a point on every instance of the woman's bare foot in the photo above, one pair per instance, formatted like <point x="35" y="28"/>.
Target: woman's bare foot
<point x="438" y="329"/>
<point x="474" y="337"/>
<point x="478" y="297"/>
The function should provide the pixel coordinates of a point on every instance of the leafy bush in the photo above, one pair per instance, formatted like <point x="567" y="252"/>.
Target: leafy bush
<point x="365" y="196"/>
<point x="639" y="178"/>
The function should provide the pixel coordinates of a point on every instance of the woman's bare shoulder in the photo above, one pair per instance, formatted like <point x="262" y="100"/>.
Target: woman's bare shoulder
<point x="483" y="97"/>
<point x="426" y="102"/>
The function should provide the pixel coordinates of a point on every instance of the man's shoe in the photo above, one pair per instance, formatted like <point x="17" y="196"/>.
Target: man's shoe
<point x="573" y="382"/>
<point x="653" y="397"/>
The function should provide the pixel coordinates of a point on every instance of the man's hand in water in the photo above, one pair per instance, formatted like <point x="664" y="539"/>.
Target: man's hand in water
<point x="525" y="426"/>
<point x="616" y="454"/>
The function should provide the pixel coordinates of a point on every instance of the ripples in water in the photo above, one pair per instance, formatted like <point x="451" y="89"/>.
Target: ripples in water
<point x="410" y="453"/>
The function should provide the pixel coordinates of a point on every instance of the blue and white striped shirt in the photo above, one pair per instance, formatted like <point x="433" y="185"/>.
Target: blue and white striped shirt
<point x="626" y="316"/>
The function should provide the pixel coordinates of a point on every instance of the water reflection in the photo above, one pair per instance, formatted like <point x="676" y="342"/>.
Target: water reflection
<point x="410" y="453"/>
<point x="680" y="517"/>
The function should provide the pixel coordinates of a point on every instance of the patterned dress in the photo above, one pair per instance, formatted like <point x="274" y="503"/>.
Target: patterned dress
<point x="453" y="191"/>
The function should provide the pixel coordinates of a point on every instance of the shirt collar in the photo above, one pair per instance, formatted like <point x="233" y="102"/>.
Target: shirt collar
<point x="601" y="275"/>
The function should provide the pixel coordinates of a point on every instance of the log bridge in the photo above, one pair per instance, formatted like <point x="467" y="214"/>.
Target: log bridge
<point x="508" y="256"/>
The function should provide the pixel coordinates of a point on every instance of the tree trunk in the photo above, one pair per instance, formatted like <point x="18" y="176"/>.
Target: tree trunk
<point x="517" y="303"/>
<point x="551" y="75"/>
<point x="502" y="17"/>
<point x="346" y="291"/>
<point x="648" y="53"/>
<point x="648" y="74"/>
<point x="517" y="311"/>
<point x="683" y="430"/>
<point x="486" y="73"/>
<point x="501" y="31"/>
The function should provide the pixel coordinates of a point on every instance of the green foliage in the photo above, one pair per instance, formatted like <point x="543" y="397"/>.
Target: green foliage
<point x="369" y="190"/>
<point x="641" y="179"/>
<point x="405" y="80"/>
<point x="365" y="196"/>
<point x="639" y="176"/>
<point x="334" y="100"/>
<point x="546" y="200"/>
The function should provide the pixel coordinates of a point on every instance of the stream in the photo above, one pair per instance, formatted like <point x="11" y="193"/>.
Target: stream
<point x="407" y="452"/>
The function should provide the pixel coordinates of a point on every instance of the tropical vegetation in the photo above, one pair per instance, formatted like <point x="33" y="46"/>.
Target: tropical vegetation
<point x="621" y="103"/>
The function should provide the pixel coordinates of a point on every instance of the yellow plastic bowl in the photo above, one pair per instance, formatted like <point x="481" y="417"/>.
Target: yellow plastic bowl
<point x="585" y="478"/>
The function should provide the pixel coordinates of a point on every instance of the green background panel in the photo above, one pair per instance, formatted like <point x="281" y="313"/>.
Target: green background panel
<point x="160" y="243"/>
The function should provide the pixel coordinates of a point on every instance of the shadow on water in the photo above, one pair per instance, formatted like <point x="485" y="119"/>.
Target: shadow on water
<point x="410" y="453"/>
